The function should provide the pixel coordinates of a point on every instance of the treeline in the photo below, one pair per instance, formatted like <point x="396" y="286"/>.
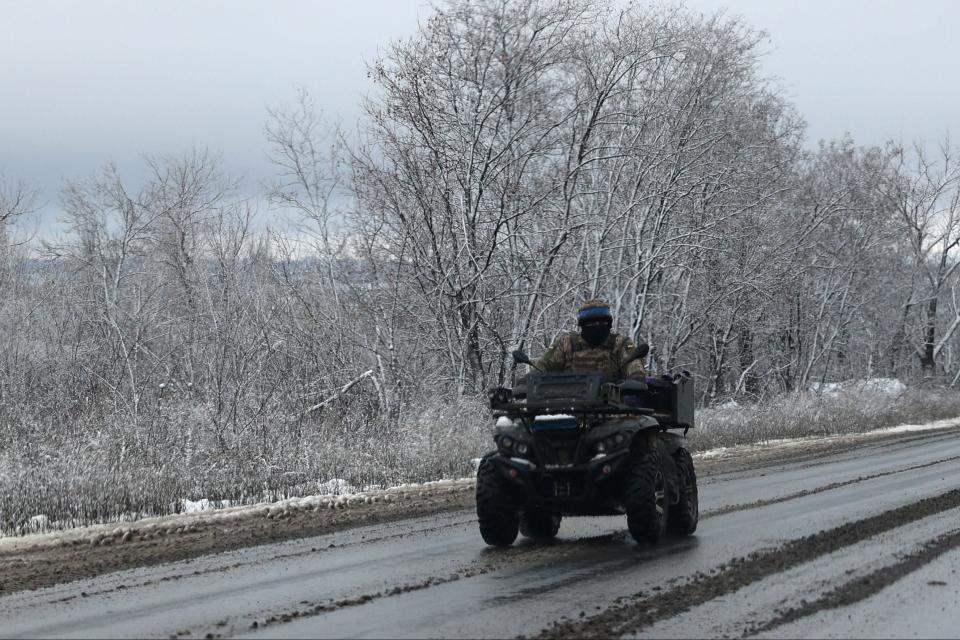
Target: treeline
<point x="516" y="157"/>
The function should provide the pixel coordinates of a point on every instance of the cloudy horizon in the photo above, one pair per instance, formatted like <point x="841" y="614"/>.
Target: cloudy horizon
<point x="112" y="81"/>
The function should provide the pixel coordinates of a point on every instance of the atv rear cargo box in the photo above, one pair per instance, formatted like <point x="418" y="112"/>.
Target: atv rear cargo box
<point x="671" y="400"/>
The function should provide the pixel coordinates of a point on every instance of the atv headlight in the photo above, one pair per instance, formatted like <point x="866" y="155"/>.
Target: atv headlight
<point x="522" y="448"/>
<point x="506" y="442"/>
<point x="611" y="443"/>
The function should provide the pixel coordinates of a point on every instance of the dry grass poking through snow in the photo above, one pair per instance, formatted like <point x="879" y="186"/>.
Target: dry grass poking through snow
<point x="100" y="469"/>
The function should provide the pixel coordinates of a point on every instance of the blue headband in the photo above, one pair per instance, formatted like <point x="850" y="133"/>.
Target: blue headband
<point x="594" y="312"/>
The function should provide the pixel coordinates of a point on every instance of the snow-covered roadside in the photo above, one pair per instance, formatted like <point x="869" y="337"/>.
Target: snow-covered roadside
<point x="784" y="443"/>
<point x="202" y="513"/>
<point x="191" y="521"/>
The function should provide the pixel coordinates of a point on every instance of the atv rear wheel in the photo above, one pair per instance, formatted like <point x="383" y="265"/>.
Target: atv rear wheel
<point x="541" y="525"/>
<point x="496" y="512"/>
<point x="686" y="513"/>
<point x="646" y="499"/>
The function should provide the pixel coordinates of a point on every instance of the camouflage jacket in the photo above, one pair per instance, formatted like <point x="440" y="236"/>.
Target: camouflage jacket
<point x="570" y="352"/>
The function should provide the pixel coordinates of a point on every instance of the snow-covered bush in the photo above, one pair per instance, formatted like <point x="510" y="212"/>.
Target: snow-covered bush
<point x="849" y="407"/>
<point x="104" y="469"/>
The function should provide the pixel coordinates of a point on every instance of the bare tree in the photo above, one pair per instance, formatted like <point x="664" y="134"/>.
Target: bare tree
<point x="17" y="198"/>
<point x="924" y="191"/>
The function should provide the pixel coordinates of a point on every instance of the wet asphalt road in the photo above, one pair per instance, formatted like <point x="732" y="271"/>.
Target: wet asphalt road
<point x="864" y="542"/>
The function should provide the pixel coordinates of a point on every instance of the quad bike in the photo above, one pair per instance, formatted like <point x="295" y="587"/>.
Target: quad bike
<point x="572" y="444"/>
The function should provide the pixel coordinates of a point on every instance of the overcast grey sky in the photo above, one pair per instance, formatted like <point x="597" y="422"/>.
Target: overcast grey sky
<point x="86" y="82"/>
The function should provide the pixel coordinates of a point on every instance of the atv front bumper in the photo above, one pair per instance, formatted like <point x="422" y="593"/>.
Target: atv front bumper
<point x="590" y="488"/>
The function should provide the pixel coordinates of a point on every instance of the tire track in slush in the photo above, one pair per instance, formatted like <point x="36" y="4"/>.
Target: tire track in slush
<point x="732" y="508"/>
<point x="631" y="614"/>
<point x="483" y="566"/>
<point x="864" y="586"/>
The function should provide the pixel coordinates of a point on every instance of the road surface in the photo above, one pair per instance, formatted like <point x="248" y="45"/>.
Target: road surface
<point x="857" y="541"/>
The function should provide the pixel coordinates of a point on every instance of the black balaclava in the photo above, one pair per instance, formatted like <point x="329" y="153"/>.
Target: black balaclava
<point x="595" y="333"/>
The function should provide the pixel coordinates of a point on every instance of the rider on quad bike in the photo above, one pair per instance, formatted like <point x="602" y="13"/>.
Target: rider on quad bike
<point x="587" y="434"/>
<point x="595" y="348"/>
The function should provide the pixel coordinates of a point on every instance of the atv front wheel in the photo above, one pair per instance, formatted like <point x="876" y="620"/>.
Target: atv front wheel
<point x="646" y="499"/>
<point x="686" y="513"/>
<point x="496" y="513"/>
<point x="541" y="525"/>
